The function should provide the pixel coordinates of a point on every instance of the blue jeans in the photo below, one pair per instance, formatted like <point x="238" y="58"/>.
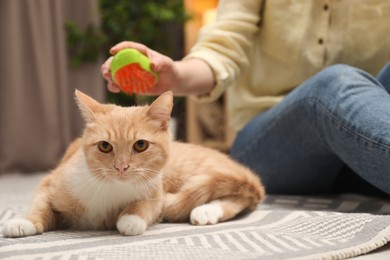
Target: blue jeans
<point x="338" y="119"/>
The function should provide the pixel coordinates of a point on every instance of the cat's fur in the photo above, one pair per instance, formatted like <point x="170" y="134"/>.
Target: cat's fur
<point x="129" y="189"/>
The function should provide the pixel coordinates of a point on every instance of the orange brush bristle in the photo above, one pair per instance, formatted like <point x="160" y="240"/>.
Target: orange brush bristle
<point x="133" y="79"/>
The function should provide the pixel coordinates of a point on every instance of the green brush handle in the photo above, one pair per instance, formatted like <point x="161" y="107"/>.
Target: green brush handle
<point x="129" y="56"/>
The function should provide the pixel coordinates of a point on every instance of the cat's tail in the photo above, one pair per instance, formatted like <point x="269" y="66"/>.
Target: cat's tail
<point x="243" y="187"/>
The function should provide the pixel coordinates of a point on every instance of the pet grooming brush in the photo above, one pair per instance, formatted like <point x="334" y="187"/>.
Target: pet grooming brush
<point x="131" y="71"/>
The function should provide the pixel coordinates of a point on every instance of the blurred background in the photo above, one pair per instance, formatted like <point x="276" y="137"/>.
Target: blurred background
<point x="49" y="48"/>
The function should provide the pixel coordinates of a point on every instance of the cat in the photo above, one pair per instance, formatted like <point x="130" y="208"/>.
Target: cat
<point x="125" y="172"/>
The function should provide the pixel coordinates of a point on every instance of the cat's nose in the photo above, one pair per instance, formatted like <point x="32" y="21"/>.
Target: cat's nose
<point x="122" y="167"/>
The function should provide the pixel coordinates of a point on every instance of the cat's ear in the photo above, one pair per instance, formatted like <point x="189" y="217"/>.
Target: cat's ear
<point x="161" y="109"/>
<point x="88" y="106"/>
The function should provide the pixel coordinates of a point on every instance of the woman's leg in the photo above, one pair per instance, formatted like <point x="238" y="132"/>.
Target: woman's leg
<point x="384" y="76"/>
<point x="339" y="117"/>
<point x="348" y="180"/>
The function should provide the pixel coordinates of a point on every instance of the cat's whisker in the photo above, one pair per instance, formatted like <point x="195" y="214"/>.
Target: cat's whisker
<point x="87" y="186"/>
<point x="144" y="172"/>
<point x="103" y="188"/>
<point x="150" y="183"/>
<point x="166" y="177"/>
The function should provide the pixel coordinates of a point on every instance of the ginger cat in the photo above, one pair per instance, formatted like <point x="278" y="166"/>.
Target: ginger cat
<point x="125" y="172"/>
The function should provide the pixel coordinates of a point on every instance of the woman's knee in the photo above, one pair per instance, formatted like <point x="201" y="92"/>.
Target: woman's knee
<point x="336" y="76"/>
<point x="337" y="81"/>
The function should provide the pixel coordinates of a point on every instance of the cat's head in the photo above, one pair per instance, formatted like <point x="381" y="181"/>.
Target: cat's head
<point x="126" y="143"/>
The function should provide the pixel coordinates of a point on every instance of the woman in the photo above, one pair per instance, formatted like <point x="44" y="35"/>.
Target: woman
<point x="305" y="123"/>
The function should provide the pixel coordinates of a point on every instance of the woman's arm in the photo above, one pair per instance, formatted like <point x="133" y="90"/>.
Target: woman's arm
<point x="221" y="54"/>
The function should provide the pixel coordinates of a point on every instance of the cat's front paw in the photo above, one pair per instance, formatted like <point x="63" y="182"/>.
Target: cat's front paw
<point x="19" y="228"/>
<point x="208" y="214"/>
<point x="131" y="225"/>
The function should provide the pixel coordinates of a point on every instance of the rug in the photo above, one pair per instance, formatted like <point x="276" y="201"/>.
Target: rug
<point x="283" y="227"/>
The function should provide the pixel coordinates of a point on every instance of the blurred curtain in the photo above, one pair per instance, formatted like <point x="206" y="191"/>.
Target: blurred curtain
<point x="38" y="115"/>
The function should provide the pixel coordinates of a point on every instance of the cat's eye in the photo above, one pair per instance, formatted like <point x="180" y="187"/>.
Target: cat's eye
<point x="104" y="147"/>
<point x="141" y="145"/>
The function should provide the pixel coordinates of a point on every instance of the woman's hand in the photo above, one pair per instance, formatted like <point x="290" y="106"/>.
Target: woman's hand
<point x="189" y="77"/>
<point x="168" y="73"/>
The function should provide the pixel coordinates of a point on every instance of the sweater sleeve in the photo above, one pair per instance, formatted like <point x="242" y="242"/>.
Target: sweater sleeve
<point x="226" y="44"/>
